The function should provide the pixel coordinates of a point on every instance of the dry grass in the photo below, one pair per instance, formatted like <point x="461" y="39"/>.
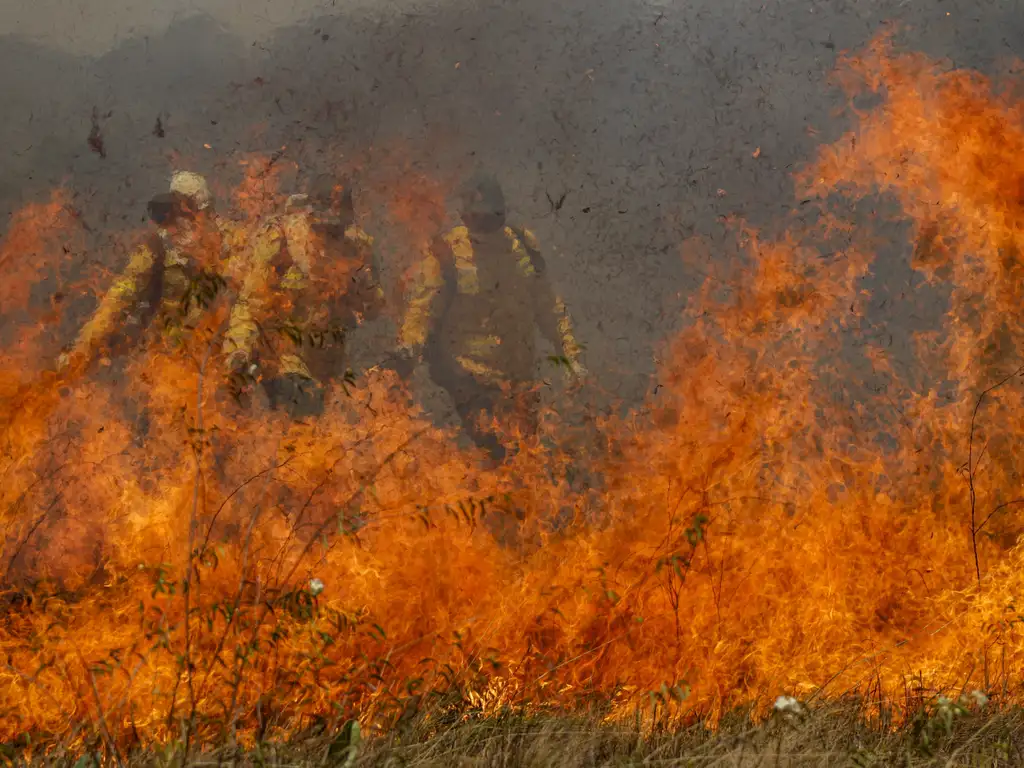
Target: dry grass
<point x="835" y="735"/>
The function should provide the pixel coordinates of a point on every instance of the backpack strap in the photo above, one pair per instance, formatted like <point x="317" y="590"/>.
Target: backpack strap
<point x="152" y="294"/>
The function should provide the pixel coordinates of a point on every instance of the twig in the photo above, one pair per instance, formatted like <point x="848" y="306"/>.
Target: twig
<point x="223" y="504"/>
<point x="972" y="468"/>
<point x="318" y="532"/>
<point x="111" y="744"/>
<point x="28" y="536"/>
<point x="192" y="523"/>
<point x="998" y="508"/>
<point x="237" y="682"/>
<point x="197" y="449"/>
<point x="268" y="605"/>
<point x="241" y="580"/>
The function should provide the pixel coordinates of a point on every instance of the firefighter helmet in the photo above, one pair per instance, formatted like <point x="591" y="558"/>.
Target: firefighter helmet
<point x="193" y="187"/>
<point x="483" y="203"/>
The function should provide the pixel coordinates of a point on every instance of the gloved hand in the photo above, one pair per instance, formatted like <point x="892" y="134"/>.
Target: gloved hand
<point x="573" y="370"/>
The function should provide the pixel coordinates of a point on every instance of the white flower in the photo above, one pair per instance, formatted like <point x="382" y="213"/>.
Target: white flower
<point x="787" y="705"/>
<point x="316" y="586"/>
<point x="980" y="699"/>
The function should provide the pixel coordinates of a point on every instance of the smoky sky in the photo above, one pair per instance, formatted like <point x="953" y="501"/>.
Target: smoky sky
<point x="619" y="128"/>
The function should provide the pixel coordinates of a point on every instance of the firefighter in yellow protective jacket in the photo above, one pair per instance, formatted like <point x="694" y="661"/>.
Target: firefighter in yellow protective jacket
<point x="172" y="276"/>
<point x="475" y="303"/>
<point x="313" y="278"/>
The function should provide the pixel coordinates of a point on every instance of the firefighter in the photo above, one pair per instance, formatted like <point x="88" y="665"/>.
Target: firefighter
<point x="476" y="299"/>
<point x="313" y="277"/>
<point x="172" y="275"/>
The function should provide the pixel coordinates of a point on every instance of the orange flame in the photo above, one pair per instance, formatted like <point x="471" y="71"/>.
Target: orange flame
<point x="761" y="526"/>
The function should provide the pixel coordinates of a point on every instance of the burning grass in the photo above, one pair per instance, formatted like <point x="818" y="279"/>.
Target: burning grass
<point x="226" y="577"/>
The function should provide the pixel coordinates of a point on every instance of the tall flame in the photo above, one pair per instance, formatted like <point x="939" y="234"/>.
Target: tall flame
<point x="760" y="526"/>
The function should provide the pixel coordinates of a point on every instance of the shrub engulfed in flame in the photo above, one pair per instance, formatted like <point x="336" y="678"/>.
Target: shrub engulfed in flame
<point x="759" y="527"/>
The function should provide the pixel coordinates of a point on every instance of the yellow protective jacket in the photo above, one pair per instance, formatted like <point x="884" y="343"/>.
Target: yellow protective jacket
<point x="149" y="288"/>
<point x="476" y="300"/>
<point x="296" y="280"/>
